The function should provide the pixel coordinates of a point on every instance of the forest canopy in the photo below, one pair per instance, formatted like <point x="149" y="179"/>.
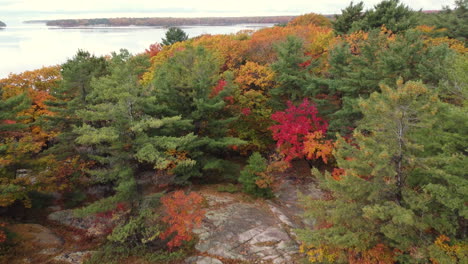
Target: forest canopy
<point x="372" y="103"/>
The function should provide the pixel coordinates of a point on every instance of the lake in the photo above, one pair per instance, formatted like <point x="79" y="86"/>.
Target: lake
<point x="31" y="46"/>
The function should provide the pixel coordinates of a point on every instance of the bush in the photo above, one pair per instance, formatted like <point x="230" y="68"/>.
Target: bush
<point x="254" y="178"/>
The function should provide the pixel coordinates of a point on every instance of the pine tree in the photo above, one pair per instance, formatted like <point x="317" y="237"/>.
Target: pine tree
<point x="351" y="14"/>
<point x="292" y="71"/>
<point x="389" y="197"/>
<point x="251" y="174"/>
<point x="122" y="132"/>
<point x="381" y="59"/>
<point x="71" y="96"/>
<point x="389" y="13"/>
<point x="183" y="86"/>
<point x="173" y="35"/>
<point x="12" y="187"/>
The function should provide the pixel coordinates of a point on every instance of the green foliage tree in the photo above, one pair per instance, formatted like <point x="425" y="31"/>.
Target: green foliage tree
<point x="292" y="73"/>
<point x="183" y="86"/>
<point x="12" y="186"/>
<point x="351" y="14"/>
<point x="71" y="96"/>
<point x="389" y="13"/>
<point x="121" y="130"/>
<point x="173" y="35"/>
<point x="252" y="173"/>
<point x="453" y="22"/>
<point x="402" y="186"/>
<point x="379" y="59"/>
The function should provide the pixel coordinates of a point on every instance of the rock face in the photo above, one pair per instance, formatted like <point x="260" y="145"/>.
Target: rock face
<point x="73" y="258"/>
<point x="259" y="232"/>
<point x="34" y="237"/>
<point x="202" y="260"/>
<point x="67" y="218"/>
<point x="93" y="225"/>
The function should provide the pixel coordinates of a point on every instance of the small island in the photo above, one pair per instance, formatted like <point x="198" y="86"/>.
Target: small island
<point x="2" y="25"/>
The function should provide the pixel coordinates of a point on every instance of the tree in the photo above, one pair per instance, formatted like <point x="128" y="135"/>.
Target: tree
<point x="449" y="22"/>
<point x="122" y="131"/>
<point x="184" y="86"/>
<point x="173" y="35"/>
<point x="358" y="66"/>
<point x="24" y="147"/>
<point x="253" y="177"/>
<point x="294" y="80"/>
<point x="183" y="213"/>
<point x="71" y="96"/>
<point x="310" y="19"/>
<point x="294" y="127"/>
<point x="351" y="14"/>
<point x="13" y="186"/>
<point x="387" y="204"/>
<point x="389" y="13"/>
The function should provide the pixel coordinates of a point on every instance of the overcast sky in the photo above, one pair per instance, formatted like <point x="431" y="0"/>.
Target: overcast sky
<point x="189" y="8"/>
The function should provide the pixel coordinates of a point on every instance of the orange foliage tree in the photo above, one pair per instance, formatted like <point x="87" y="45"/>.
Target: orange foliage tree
<point x="310" y="19"/>
<point x="182" y="214"/>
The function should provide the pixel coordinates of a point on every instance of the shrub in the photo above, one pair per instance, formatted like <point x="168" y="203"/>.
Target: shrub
<point x="182" y="214"/>
<point x="254" y="178"/>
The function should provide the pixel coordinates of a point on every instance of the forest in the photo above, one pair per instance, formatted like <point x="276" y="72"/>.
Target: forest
<point x="123" y="154"/>
<point x="168" y="21"/>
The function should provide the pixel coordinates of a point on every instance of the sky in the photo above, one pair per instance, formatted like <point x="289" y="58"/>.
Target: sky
<point x="53" y="9"/>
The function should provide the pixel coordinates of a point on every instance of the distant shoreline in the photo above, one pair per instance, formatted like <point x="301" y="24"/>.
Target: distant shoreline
<point x="164" y="21"/>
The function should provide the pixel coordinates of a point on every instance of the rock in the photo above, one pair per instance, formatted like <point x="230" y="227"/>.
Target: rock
<point x="74" y="258"/>
<point x="67" y="218"/>
<point x="93" y="225"/>
<point x="202" y="260"/>
<point x="37" y="238"/>
<point x="242" y="231"/>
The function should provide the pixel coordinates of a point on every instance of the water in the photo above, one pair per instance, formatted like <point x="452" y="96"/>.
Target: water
<point x="31" y="46"/>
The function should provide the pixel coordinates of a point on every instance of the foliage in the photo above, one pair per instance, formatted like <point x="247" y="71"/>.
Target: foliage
<point x="310" y="19"/>
<point x="229" y="188"/>
<point x="184" y="86"/>
<point x="182" y="213"/>
<point x="254" y="177"/>
<point x="294" y="126"/>
<point x="350" y="15"/>
<point x="251" y="105"/>
<point x="173" y="35"/>
<point x="362" y="61"/>
<point x="450" y="23"/>
<point x="389" y="13"/>
<point x="154" y="49"/>
<point x="393" y="174"/>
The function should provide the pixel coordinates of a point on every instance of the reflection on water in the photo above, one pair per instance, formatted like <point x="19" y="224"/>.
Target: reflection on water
<point x="31" y="46"/>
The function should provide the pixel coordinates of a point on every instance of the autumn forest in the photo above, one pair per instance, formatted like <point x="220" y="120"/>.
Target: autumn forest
<point x="121" y="155"/>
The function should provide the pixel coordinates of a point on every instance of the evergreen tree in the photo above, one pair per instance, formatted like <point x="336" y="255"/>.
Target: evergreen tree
<point x="351" y="14"/>
<point x="184" y="86"/>
<point x="173" y="35"/>
<point x="71" y="96"/>
<point x="251" y="174"/>
<point x="402" y="186"/>
<point x="378" y="59"/>
<point x="12" y="187"/>
<point x="121" y="131"/>
<point x="389" y="13"/>
<point x="292" y="73"/>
